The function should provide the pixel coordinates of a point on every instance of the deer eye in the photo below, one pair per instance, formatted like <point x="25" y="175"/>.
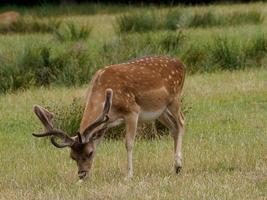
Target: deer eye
<point x="72" y="157"/>
<point x="90" y="154"/>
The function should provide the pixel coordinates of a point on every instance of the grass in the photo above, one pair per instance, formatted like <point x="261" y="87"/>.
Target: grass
<point x="224" y="154"/>
<point x="224" y="145"/>
<point x="144" y="21"/>
<point x="73" y="57"/>
<point x="73" y="33"/>
<point x="32" y="25"/>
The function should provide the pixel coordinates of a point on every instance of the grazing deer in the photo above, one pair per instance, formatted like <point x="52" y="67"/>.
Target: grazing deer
<point x="7" y="18"/>
<point x="147" y="88"/>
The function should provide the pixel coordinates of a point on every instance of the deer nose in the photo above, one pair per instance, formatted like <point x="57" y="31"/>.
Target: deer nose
<point x="82" y="174"/>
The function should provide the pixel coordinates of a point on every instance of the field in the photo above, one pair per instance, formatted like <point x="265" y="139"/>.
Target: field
<point x="225" y="98"/>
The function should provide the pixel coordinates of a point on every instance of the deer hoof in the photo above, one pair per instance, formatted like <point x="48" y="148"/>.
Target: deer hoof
<point x="178" y="169"/>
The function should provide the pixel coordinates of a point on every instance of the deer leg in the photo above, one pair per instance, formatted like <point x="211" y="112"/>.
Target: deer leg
<point x="178" y="133"/>
<point x="131" y="127"/>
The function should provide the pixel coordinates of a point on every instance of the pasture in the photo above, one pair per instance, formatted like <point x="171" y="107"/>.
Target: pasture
<point x="225" y="98"/>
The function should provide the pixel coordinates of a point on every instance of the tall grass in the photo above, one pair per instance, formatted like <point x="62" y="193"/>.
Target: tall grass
<point x="137" y="22"/>
<point x="174" y="19"/>
<point x="33" y="25"/>
<point x="228" y="54"/>
<point x="68" y="118"/>
<point x="51" y="10"/>
<point x="74" y="63"/>
<point x="35" y="65"/>
<point x="71" y="32"/>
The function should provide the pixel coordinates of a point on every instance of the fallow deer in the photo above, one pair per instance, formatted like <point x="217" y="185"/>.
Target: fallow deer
<point x="146" y="88"/>
<point x="7" y="18"/>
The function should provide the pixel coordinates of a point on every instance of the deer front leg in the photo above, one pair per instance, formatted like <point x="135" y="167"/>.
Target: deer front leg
<point x="131" y="127"/>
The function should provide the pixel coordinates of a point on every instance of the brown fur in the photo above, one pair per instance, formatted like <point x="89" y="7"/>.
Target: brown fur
<point x="146" y="88"/>
<point x="7" y="18"/>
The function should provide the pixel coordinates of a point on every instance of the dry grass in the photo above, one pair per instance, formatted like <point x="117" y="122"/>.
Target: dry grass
<point x="224" y="145"/>
<point x="224" y="148"/>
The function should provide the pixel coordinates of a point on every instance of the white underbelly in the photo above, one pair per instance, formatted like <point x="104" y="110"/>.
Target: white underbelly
<point x="150" y="115"/>
<point x="115" y="123"/>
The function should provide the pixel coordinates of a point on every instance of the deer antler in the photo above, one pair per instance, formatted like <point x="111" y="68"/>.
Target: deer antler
<point x="102" y="119"/>
<point x="46" y="118"/>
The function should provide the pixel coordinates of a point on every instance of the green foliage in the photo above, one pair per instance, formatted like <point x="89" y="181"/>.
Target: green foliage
<point x="74" y="64"/>
<point x="73" y="33"/>
<point x="257" y="46"/>
<point x="34" y="25"/>
<point x="250" y="17"/>
<point x="203" y="19"/>
<point x="52" y="10"/>
<point x="137" y="22"/>
<point x="67" y="117"/>
<point x="171" y="41"/>
<point x="36" y="66"/>
<point x="174" y="19"/>
<point x="227" y="54"/>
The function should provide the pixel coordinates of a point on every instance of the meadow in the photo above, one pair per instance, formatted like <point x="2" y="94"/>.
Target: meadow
<point x="225" y="100"/>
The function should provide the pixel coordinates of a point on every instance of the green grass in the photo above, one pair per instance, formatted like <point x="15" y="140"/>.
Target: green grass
<point x="80" y="46"/>
<point x="224" y="148"/>
<point x="73" y="33"/>
<point x="225" y="142"/>
<point x="32" y="25"/>
<point x="144" y="21"/>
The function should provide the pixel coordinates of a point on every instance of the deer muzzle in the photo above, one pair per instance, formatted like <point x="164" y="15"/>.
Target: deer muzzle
<point x="82" y="174"/>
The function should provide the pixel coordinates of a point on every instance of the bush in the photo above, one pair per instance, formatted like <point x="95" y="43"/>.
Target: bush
<point x="257" y="46"/>
<point x="73" y="33"/>
<point x="68" y="118"/>
<point x="36" y="66"/>
<point x="73" y="64"/>
<point x="137" y="22"/>
<point x="228" y="54"/>
<point x="251" y="17"/>
<point x="33" y="25"/>
<point x="203" y="19"/>
<point x="173" y="20"/>
<point x="172" y="41"/>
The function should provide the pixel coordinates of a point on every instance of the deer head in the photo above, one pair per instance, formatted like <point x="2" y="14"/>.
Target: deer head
<point x="83" y="145"/>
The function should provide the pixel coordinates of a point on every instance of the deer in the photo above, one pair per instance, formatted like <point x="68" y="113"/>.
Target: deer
<point x="8" y="18"/>
<point x="142" y="89"/>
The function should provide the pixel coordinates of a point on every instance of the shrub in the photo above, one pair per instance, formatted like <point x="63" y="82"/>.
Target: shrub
<point x="203" y="19"/>
<point x="36" y="65"/>
<point x="137" y="22"/>
<point x="257" y="46"/>
<point x="68" y="118"/>
<point x="195" y="56"/>
<point x="172" y="41"/>
<point x="173" y="20"/>
<point x="73" y="33"/>
<point x="32" y="26"/>
<point x="251" y="17"/>
<point x="228" y="54"/>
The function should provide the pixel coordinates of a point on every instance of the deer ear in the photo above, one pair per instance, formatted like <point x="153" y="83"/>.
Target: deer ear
<point x="98" y="134"/>
<point x="44" y="116"/>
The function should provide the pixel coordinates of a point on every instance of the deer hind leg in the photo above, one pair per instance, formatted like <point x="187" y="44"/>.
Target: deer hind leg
<point x="178" y="132"/>
<point x="175" y="123"/>
<point x="131" y="127"/>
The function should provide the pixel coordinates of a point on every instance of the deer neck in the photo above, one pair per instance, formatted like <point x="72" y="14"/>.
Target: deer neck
<point x="92" y="111"/>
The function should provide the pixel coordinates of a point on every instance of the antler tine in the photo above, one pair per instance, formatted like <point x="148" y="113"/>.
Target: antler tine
<point x="66" y="140"/>
<point x="104" y="116"/>
<point x="44" y="115"/>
